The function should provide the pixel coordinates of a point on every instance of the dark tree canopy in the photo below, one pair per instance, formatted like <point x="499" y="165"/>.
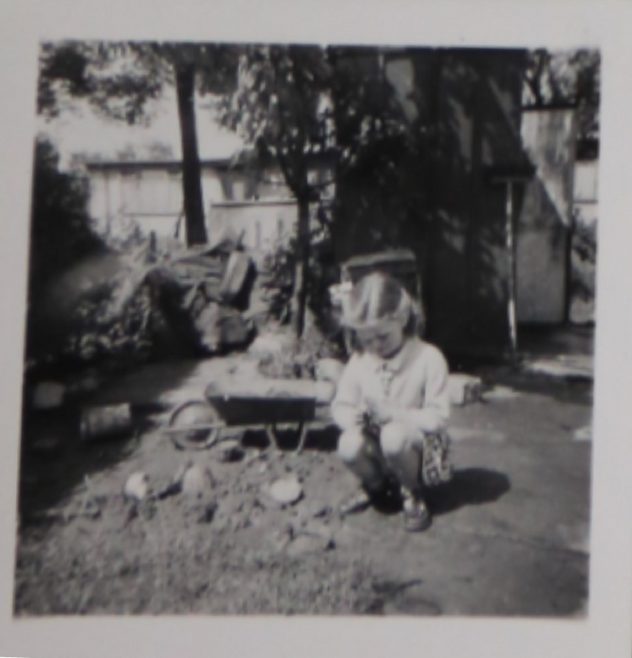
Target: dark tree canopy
<point x="120" y="79"/>
<point x="61" y="230"/>
<point x="295" y="104"/>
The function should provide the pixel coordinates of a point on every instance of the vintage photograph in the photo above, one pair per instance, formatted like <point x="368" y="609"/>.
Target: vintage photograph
<point x="309" y="331"/>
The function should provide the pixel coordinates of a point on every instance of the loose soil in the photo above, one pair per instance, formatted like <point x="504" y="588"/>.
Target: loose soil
<point x="509" y="537"/>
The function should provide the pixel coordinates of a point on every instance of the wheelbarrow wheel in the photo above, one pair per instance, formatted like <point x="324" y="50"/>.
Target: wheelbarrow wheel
<point x="195" y="425"/>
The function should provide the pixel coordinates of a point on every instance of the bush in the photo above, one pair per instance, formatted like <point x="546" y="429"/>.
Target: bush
<point x="61" y="227"/>
<point x="279" y="271"/>
<point x="61" y="235"/>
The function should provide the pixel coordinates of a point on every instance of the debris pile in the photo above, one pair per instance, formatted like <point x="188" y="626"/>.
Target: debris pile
<point x="152" y="301"/>
<point x="201" y="295"/>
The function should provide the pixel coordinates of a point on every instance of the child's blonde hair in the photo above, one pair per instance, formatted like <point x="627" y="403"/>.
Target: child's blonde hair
<point x="378" y="297"/>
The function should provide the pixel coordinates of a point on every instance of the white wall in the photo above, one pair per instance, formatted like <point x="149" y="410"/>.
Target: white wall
<point x="545" y="218"/>
<point x="149" y="199"/>
<point x="587" y="191"/>
<point x="264" y="224"/>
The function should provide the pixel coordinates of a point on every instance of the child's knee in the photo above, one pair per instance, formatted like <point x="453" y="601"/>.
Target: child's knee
<point x="350" y="444"/>
<point x="394" y="439"/>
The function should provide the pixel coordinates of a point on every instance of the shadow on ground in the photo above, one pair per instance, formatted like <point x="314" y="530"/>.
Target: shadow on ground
<point x="54" y="459"/>
<point x="469" y="486"/>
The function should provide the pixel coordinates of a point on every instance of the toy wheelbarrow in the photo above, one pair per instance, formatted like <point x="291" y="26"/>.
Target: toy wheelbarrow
<point x="267" y="404"/>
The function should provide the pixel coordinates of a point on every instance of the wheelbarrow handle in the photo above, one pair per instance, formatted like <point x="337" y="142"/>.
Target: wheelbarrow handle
<point x="194" y="428"/>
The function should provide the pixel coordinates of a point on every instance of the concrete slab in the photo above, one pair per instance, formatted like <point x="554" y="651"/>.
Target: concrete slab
<point x="576" y="366"/>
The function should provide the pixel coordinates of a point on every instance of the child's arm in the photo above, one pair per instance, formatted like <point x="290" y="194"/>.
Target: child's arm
<point x="346" y="407"/>
<point x="434" y="415"/>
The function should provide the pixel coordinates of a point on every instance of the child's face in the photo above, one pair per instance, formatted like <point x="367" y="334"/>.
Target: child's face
<point x="383" y="340"/>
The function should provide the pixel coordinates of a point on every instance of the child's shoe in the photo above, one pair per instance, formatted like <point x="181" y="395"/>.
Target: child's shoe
<point x="385" y="497"/>
<point x="357" y="503"/>
<point x="416" y="514"/>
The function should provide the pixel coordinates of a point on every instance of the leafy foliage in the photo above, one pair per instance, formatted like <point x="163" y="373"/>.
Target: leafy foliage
<point x="568" y="78"/>
<point x="279" y="107"/>
<point x="120" y="79"/>
<point x="61" y="228"/>
<point x="101" y="335"/>
<point x="107" y="75"/>
<point x="366" y="110"/>
<point x="297" y="104"/>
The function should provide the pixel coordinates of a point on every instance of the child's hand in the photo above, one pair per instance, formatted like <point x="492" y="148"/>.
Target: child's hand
<point x="379" y="411"/>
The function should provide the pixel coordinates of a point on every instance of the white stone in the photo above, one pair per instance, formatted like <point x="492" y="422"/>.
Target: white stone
<point x="499" y="393"/>
<point x="464" y="389"/>
<point x="286" y="491"/>
<point x="196" y="481"/>
<point x="137" y="486"/>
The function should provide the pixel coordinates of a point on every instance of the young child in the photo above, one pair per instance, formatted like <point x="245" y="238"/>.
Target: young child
<point x="392" y="400"/>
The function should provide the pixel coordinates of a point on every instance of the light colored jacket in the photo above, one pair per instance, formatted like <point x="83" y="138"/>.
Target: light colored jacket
<point x="414" y="384"/>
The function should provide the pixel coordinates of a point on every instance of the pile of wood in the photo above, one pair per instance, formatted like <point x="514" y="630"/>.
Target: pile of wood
<point x="204" y="295"/>
<point x="170" y="303"/>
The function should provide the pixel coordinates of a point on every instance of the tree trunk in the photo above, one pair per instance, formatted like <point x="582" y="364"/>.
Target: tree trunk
<point x="191" y="173"/>
<point x="301" y="276"/>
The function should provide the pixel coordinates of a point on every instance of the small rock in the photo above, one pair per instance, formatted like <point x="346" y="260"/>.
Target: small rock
<point x="207" y="514"/>
<point x="48" y="395"/>
<point x="196" y="481"/>
<point x="322" y="512"/>
<point x="137" y="486"/>
<point x="464" y="389"/>
<point x="230" y="451"/>
<point x="286" y="491"/>
<point x="256" y="515"/>
<point x="501" y="393"/>
<point x="281" y="539"/>
<point x="252" y="457"/>
<point x="311" y="542"/>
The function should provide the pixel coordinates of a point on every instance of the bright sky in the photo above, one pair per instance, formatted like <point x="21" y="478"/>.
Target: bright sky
<point x="82" y="131"/>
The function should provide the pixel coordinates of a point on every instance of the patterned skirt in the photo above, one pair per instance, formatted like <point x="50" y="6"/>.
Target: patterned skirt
<point x="436" y="466"/>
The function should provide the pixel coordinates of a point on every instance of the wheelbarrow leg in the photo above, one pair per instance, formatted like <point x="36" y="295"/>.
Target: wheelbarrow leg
<point x="272" y="436"/>
<point x="302" y="437"/>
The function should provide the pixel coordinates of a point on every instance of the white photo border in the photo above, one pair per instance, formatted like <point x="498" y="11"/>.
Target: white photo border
<point x="475" y="23"/>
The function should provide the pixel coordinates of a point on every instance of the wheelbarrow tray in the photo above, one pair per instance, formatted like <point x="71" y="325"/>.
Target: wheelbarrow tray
<point x="264" y="402"/>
